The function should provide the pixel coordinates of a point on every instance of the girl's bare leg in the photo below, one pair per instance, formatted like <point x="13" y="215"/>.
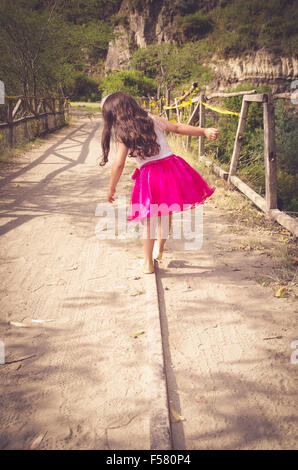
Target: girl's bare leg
<point x="148" y="243"/>
<point x="164" y="227"/>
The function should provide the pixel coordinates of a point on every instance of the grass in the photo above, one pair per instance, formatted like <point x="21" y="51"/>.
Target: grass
<point x="9" y="154"/>
<point x="92" y="107"/>
<point x="255" y="231"/>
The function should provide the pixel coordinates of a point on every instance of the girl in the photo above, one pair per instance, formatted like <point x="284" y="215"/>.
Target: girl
<point x="164" y="182"/>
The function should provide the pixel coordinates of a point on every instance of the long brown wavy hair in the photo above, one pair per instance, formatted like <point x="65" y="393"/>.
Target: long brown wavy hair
<point x="131" y="125"/>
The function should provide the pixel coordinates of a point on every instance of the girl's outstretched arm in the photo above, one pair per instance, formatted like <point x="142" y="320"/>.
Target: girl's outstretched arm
<point x="185" y="129"/>
<point x="117" y="169"/>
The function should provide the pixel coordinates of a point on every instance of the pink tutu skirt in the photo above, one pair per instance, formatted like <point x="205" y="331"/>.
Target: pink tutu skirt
<point x="165" y="186"/>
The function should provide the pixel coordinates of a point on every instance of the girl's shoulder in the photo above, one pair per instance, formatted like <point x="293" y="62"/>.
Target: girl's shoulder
<point x="159" y="121"/>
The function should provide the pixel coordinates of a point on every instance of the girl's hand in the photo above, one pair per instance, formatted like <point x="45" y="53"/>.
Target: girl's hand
<point x="110" y="195"/>
<point x="211" y="133"/>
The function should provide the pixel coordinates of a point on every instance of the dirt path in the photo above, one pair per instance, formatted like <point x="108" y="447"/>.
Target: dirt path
<point x="228" y="344"/>
<point x="86" y="385"/>
<point x="76" y="375"/>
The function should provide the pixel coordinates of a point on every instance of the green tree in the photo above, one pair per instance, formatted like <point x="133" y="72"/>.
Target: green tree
<point x="42" y="48"/>
<point x="129" y="81"/>
<point x="37" y="48"/>
<point x="172" y="65"/>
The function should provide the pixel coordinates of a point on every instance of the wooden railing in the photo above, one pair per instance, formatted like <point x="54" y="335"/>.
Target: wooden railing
<point x="268" y="204"/>
<point x="26" y="117"/>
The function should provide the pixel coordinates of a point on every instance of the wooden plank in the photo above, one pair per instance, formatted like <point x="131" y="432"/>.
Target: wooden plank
<point x="202" y="124"/>
<point x="10" y="122"/>
<point x="15" y="109"/>
<point x="29" y="96"/>
<point x="177" y="110"/>
<point x="282" y="96"/>
<point x="222" y="173"/>
<point x="282" y="218"/>
<point x="285" y="220"/>
<point x="54" y="111"/>
<point x="30" y="106"/>
<point x="239" y="137"/>
<point x="46" y="105"/>
<point x="187" y="93"/>
<point x="66" y="107"/>
<point x="194" y="113"/>
<point x="160" y="106"/>
<point x="39" y="105"/>
<point x="270" y="155"/>
<point x="49" y="103"/>
<point x="260" y="98"/>
<point x="183" y="137"/>
<point x="227" y="95"/>
<point x="250" y="193"/>
<point x="224" y="95"/>
<point x="168" y="101"/>
<point x="188" y="138"/>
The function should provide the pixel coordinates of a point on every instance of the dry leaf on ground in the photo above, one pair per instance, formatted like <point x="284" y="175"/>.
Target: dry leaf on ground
<point x="139" y="292"/>
<point x="280" y="292"/>
<point x="177" y="417"/>
<point x="138" y="333"/>
<point x="36" y="442"/>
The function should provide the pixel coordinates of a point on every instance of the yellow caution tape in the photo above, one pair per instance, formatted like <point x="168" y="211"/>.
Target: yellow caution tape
<point x="218" y="110"/>
<point x="182" y="105"/>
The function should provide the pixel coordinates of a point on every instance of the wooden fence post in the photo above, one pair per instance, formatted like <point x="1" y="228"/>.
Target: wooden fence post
<point x="10" y="121"/>
<point x="160" y="105"/>
<point x="46" y="115"/>
<point x="188" y="139"/>
<point x="26" y="110"/>
<point x="168" y="101"/>
<point x="270" y="154"/>
<point x="67" y="107"/>
<point x="177" y="110"/>
<point x="238" y="138"/>
<point x="22" y="110"/>
<point x="35" y="104"/>
<point x="54" y="112"/>
<point x="61" y="111"/>
<point x="201" y="124"/>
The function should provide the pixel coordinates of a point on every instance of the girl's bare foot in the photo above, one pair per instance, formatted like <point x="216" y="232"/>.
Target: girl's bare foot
<point x="149" y="269"/>
<point x="158" y="255"/>
<point x="158" y="251"/>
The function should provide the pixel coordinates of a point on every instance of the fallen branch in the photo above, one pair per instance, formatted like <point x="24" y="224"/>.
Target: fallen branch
<point x="19" y="360"/>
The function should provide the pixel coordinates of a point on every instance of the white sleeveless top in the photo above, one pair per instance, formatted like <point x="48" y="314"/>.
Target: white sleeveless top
<point x="164" y="150"/>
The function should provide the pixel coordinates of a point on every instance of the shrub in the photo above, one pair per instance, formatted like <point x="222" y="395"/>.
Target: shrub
<point x="193" y="26"/>
<point x="85" y="88"/>
<point x="133" y="82"/>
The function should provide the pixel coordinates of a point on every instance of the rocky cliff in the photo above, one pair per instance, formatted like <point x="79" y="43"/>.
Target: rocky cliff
<point x="138" y="29"/>
<point x="259" y="67"/>
<point x="150" y="21"/>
